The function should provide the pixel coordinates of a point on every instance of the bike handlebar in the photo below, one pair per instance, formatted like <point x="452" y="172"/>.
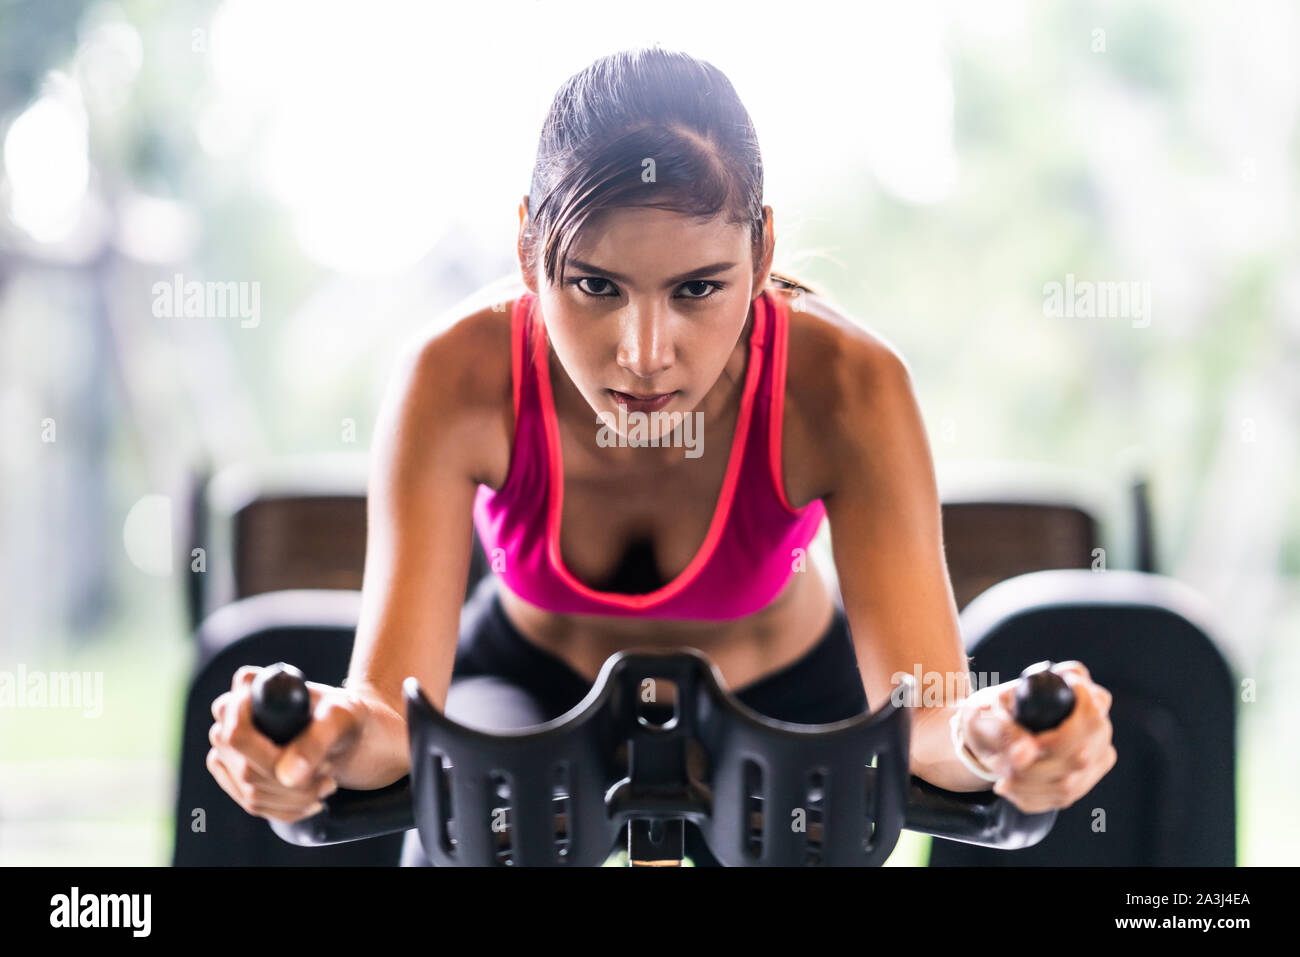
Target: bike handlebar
<point x="1043" y="700"/>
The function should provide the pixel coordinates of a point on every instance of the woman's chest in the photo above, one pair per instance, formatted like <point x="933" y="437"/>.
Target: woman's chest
<point x="632" y="523"/>
<point x="634" y="519"/>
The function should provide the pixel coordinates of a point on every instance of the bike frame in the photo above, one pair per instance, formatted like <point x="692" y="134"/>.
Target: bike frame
<point x="770" y="793"/>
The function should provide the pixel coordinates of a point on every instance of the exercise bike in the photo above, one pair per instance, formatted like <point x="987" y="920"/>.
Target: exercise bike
<point x="762" y="792"/>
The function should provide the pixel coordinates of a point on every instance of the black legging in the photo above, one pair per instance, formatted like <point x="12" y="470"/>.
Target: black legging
<point x="501" y="681"/>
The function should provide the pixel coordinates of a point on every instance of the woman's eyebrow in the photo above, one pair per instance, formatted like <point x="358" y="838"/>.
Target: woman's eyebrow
<point x="699" y="271"/>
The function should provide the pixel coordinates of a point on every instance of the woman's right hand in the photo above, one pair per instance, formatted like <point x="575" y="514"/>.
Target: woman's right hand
<point x="282" y="783"/>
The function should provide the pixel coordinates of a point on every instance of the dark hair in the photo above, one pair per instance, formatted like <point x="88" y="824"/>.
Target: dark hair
<point x="644" y="112"/>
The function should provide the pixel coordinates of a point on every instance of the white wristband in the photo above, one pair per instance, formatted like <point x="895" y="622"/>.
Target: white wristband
<point x="965" y="755"/>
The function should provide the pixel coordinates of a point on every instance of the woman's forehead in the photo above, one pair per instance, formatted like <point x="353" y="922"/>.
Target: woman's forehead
<point x="665" y="235"/>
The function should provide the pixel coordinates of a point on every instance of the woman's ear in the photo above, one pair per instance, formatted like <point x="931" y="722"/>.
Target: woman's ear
<point x="763" y="270"/>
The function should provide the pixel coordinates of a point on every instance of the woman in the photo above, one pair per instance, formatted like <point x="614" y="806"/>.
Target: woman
<point x="645" y="257"/>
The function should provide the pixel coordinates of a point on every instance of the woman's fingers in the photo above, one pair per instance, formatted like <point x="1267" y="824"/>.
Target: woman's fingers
<point x="334" y="726"/>
<point x="251" y="772"/>
<point x="1034" y="797"/>
<point x="1053" y="768"/>
<point x="998" y="742"/>
<point x="1086" y="729"/>
<point x="243" y="760"/>
<point x="268" y="799"/>
<point x="239" y="733"/>
<point x="1073" y="756"/>
<point x="218" y="771"/>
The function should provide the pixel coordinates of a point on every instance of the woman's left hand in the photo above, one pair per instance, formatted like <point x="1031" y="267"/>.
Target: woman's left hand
<point x="1051" y="769"/>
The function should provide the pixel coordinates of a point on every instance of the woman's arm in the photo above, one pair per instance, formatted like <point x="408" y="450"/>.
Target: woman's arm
<point x="886" y="537"/>
<point x="887" y="540"/>
<point x="428" y="443"/>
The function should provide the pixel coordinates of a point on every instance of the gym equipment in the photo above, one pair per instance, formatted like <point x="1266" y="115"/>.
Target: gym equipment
<point x="190" y="521"/>
<point x="285" y="523"/>
<point x="1169" y="799"/>
<point x="1005" y="519"/>
<point x="288" y="523"/>
<point x="315" y="628"/>
<point x="768" y="793"/>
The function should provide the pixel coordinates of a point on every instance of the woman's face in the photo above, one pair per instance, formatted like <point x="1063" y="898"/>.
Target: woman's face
<point x="652" y="304"/>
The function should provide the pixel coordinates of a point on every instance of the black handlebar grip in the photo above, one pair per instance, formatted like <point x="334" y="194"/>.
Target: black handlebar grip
<point x="1043" y="699"/>
<point x="281" y="703"/>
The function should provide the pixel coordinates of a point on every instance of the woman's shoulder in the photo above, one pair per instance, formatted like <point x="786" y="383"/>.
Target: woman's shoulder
<point x="830" y="354"/>
<point x="839" y="372"/>
<point x="459" y="373"/>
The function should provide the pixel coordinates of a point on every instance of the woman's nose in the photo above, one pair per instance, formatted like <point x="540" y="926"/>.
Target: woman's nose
<point x="645" y="348"/>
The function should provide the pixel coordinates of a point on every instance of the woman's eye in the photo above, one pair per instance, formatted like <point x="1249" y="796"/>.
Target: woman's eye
<point x="701" y="288"/>
<point x="709" y="290"/>
<point x="578" y="283"/>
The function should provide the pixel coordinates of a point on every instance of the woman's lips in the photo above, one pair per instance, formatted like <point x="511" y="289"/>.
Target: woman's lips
<point x="635" y="403"/>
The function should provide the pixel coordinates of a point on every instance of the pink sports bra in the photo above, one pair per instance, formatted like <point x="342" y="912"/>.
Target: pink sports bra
<point x="753" y="544"/>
